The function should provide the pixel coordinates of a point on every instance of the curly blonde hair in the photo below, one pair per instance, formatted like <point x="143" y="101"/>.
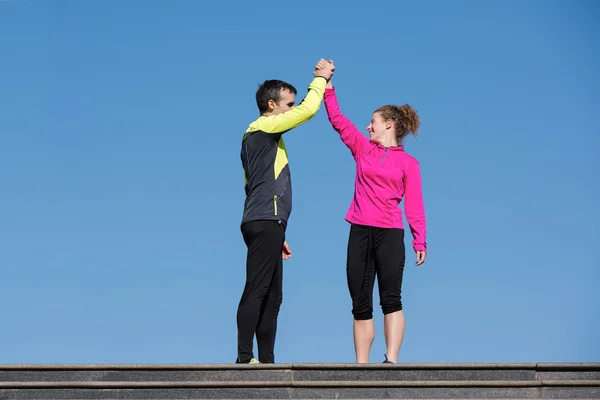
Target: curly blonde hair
<point x="405" y="118"/>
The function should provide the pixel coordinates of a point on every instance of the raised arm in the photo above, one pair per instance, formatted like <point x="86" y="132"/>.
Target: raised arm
<point x="413" y="206"/>
<point x="350" y="135"/>
<point x="296" y="116"/>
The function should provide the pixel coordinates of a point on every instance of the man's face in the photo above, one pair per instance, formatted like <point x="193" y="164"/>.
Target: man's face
<point x="286" y="102"/>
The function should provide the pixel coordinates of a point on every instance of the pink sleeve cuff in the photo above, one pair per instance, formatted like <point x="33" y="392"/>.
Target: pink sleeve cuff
<point x="420" y="247"/>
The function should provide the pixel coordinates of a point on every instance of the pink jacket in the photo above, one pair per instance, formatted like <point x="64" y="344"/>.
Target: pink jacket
<point x="383" y="177"/>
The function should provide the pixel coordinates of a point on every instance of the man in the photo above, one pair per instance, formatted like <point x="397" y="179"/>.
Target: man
<point x="268" y="206"/>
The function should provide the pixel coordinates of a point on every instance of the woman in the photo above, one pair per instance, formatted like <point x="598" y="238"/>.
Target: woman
<point x="385" y="174"/>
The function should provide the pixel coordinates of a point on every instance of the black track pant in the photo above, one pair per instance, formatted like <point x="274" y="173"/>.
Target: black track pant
<point x="375" y="251"/>
<point x="259" y="306"/>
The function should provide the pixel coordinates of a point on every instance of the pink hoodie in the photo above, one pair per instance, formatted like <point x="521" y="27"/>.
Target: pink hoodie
<point x="383" y="177"/>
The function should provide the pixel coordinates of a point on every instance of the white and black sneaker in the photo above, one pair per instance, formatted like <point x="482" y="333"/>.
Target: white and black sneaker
<point x="388" y="361"/>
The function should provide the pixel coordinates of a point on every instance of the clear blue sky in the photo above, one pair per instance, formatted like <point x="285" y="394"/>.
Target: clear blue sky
<point x="121" y="187"/>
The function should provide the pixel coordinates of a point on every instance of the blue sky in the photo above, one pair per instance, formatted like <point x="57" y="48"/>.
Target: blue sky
<point x="122" y="188"/>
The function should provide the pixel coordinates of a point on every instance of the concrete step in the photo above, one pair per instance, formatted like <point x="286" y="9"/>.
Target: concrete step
<point x="287" y="381"/>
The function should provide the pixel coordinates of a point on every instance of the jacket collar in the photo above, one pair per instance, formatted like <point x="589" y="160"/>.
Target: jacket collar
<point x="391" y="148"/>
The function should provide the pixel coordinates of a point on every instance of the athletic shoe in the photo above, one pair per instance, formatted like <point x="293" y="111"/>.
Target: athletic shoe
<point x="251" y="361"/>
<point x="388" y="361"/>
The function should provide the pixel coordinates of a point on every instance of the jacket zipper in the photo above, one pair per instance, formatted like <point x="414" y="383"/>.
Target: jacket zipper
<point x="384" y="154"/>
<point x="275" y="203"/>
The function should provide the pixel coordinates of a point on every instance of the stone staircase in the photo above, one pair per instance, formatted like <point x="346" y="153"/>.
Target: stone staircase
<point x="301" y="381"/>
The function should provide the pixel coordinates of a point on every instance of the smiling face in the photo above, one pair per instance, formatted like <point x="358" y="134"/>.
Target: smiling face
<point x="378" y="128"/>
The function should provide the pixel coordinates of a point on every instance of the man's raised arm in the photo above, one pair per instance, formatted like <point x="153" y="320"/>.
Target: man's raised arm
<point x="302" y="112"/>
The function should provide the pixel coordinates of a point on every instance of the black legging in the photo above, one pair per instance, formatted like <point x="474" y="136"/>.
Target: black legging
<point x="375" y="251"/>
<point x="262" y="297"/>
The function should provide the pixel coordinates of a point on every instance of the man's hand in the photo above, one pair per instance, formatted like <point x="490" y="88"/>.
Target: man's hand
<point x="324" y="69"/>
<point x="420" y="257"/>
<point x="286" y="252"/>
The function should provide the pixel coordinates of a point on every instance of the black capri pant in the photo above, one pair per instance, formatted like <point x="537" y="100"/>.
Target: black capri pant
<point x="375" y="251"/>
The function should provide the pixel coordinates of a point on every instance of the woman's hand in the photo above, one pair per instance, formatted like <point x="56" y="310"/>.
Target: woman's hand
<point x="420" y="257"/>
<point x="326" y="69"/>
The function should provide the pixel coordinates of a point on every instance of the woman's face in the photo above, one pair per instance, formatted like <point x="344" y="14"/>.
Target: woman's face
<point x="377" y="128"/>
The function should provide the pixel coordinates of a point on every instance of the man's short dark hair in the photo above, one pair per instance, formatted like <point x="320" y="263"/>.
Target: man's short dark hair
<point x="271" y="90"/>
